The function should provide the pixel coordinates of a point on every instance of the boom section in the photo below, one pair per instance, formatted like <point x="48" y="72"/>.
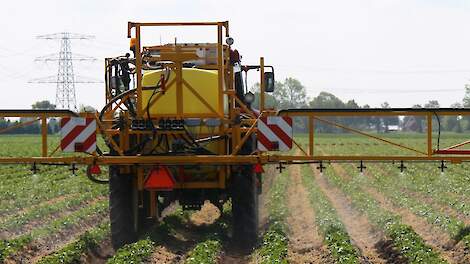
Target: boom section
<point x="421" y="147"/>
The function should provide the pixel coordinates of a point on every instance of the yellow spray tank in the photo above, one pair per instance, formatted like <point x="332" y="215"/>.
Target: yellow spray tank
<point x="197" y="84"/>
<point x="200" y="97"/>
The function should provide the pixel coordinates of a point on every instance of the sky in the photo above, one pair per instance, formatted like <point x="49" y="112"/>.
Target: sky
<point x="404" y="52"/>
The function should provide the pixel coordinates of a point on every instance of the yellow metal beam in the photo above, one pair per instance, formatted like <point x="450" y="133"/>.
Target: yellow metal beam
<point x="21" y="124"/>
<point x="262" y="85"/>
<point x="44" y="135"/>
<point x="369" y="135"/>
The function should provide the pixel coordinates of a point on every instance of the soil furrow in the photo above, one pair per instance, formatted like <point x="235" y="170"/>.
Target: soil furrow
<point x="46" y="246"/>
<point x="437" y="205"/>
<point x="362" y="233"/>
<point x="184" y="238"/>
<point x="305" y="243"/>
<point x="433" y="236"/>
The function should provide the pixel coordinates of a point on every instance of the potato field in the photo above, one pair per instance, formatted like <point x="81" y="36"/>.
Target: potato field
<point x="338" y="215"/>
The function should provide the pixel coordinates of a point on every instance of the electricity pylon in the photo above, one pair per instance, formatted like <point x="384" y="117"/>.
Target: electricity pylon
<point x="65" y="78"/>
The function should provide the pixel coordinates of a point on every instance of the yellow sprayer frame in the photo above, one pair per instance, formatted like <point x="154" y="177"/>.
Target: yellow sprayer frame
<point x="228" y="127"/>
<point x="314" y="115"/>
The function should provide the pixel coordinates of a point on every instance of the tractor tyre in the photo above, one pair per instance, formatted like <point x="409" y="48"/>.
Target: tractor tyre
<point x="245" y="208"/>
<point x="121" y="208"/>
<point x="245" y="203"/>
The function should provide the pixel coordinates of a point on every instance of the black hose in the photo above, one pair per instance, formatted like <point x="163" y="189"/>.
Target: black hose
<point x="92" y="178"/>
<point x="117" y="97"/>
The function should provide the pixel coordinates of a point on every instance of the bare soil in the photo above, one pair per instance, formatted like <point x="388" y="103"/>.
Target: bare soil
<point x="175" y="249"/>
<point x="432" y="235"/>
<point x="43" y="247"/>
<point x="99" y="255"/>
<point x="438" y="206"/>
<point x="364" y="236"/>
<point x="305" y="243"/>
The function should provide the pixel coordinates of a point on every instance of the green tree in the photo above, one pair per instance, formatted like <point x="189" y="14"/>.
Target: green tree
<point x="432" y="104"/>
<point x="452" y="123"/>
<point x="291" y="94"/>
<point x="269" y="101"/>
<point x="43" y="105"/>
<point x="466" y="98"/>
<point x="86" y="108"/>
<point x="326" y="100"/>
<point x="466" y="104"/>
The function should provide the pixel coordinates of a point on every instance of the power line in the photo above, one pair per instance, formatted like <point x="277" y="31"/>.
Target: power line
<point x="375" y="71"/>
<point x="397" y="91"/>
<point x="65" y="78"/>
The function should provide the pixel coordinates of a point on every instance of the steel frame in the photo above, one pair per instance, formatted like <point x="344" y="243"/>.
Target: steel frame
<point x="313" y="115"/>
<point x="229" y="127"/>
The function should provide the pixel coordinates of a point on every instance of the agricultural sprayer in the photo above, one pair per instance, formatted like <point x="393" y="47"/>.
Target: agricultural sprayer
<point x="180" y="125"/>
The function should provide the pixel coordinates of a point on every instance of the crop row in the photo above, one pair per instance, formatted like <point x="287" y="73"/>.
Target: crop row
<point x="136" y="252"/>
<point x="210" y="248"/>
<point x="409" y="244"/>
<point x="335" y="235"/>
<point x="10" y="247"/>
<point x="205" y="251"/>
<point x="44" y="211"/>
<point x="391" y="188"/>
<point x="47" y="191"/>
<point x="274" y="245"/>
<point x="21" y="176"/>
<point x="72" y="252"/>
<point x="450" y="188"/>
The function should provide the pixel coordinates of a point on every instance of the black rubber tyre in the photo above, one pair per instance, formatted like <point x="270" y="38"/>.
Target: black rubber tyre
<point x="245" y="204"/>
<point x="121" y="208"/>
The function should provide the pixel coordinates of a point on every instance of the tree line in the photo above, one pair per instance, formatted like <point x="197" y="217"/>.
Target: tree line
<point x="291" y="93"/>
<point x="35" y="127"/>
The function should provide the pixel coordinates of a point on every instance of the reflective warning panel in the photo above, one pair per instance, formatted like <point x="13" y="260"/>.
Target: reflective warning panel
<point x="275" y="133"/>
<point x="78" y="134"/>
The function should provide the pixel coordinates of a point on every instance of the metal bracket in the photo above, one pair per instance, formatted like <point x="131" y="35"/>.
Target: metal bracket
<point x="321" y="167"/>
<point x="362" y="167"/>
<point x="73" y="169"/>
<point x="402" y="166"/>
<point x="34" y="169"/>
<point x="280" y="167"/>
<point x="443" y="166"/>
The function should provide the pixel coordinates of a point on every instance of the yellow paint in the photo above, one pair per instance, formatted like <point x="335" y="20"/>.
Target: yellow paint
<point x="204" y="82"/>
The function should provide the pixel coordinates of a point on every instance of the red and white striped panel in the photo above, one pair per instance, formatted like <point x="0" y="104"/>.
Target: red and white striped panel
<point x="78" y="134"/>
<point x="275" y="133"/>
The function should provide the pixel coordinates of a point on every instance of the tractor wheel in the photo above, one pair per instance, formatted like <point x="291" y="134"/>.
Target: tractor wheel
<point x="245" y="203"/>
<point x="121" y="208"/>
<point x="245" y="208"/>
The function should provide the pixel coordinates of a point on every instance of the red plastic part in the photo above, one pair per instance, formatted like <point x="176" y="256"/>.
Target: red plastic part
<point x="258" y="168"/>
<point x="453" y="151"/>
<point x="95" y="169"/>
<point x="159" y="179"/>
